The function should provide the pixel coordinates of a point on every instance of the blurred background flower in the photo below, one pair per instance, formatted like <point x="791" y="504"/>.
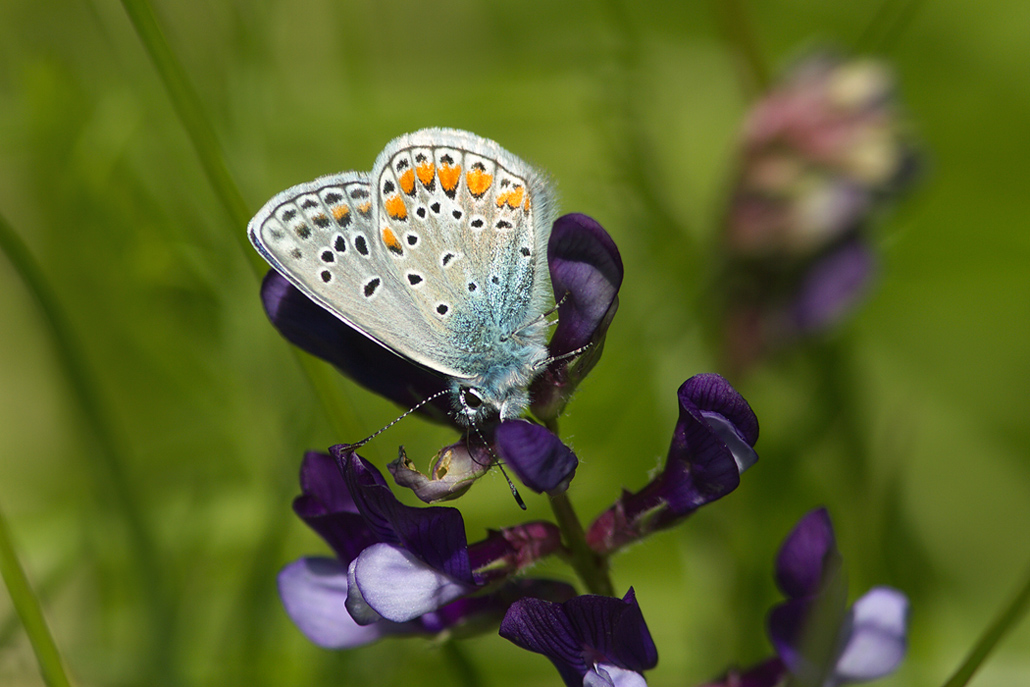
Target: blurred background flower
<point x="821" y="153"/>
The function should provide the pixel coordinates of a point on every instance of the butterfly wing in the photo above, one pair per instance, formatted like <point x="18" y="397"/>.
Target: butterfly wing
<point x="438" y="253"/>
<point x="320" y="236"/>
<point x="473" y="222"/>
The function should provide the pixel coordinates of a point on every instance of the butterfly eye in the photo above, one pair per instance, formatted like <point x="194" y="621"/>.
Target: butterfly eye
<point x="471" y="398"/>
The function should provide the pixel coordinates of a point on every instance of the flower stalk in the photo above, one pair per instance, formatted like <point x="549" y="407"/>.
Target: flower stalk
<point x="1003" y="625"/>
<point x="591" y="567"/>
<point x="31" y="613"/>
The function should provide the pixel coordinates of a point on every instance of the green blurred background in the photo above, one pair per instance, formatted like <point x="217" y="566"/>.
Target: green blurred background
<point x="633" y="108"/>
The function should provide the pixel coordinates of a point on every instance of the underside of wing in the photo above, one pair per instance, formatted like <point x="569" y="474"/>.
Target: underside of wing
<point x="324" y="238"/>
<point x="475" y="222"/>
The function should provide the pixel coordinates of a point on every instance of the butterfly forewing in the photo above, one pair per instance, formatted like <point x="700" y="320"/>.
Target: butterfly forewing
<point x="321" y="236"/>
<point x="471" y="237"/>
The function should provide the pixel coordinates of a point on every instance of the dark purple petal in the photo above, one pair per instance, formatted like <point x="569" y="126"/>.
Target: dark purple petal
<point x="586" y="265"/>
<point x="712" y="393"/>
<point x="586" y="273"/>
<point x="539" y="458"/>
<point x="314" y="329"/>
<point x="544" y="628"/>
<point x="583" y="631"/>
<point x="711" y="446"/>
<point x="613" y="629"/>
<point x="817" y="637"/>
<point x="808" y="633"/>
<point x="326" y="506"/>
<point x="876" y="637"/>
<point x="786" y="625"/>
<point x="436" y="535"/>
<point x="321" y="480"/>
<point x="700" y="467"/>
<point x="833" y="286"/>
<point x="807" y="556"/>
<point x="673" y="495"/>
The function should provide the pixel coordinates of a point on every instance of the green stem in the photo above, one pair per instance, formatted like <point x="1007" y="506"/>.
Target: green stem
<point x="205" y="142"/>
<point x="187" y="105"/>
<point x="112" y="483"/>
<point x="462" y="668"/>
<point x="889" y="22"/>
<point x="591" y="567"/>
<point x="740" y="34"/>
<point x="1002" y="625"/>
<point x="31" y="613"/>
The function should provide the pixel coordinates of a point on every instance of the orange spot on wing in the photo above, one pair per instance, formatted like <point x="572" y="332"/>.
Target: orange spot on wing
<point x="449" y="176"/>
<point x="407" y="181"/>
<point x="512" y="198"/>
<point x="365" y="207"/>
<point x="426" y="171"/>
<point x="340" y="211"/>
<point x="390" y="239"/>
<point x="526" y="204"/>
<point x="516" y="196"/>
<point x="396" y="208"/>
<point x="478" y="181"/>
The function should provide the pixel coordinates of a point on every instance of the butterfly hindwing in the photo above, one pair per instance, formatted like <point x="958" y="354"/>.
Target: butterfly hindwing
<point x="477" y="220"/>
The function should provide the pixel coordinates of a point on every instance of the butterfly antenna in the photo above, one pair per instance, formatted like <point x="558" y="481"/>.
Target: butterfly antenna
<point x="403" y="415"/>
<point x="540" y="318"/>
<point x="500" y="466"/>
<point x="564" y="356"/>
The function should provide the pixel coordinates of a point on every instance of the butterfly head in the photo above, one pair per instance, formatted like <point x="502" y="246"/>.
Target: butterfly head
<point x="477" y="405"/>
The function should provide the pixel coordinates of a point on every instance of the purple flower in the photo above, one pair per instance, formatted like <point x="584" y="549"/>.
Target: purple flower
<point x="711" y="447"/>
<point x="821" y="153"/>
<point x="831" y="288"/>
<point x="591" y="640"/>
<point x="537" y="457"/>
<point x="314" y="593"/>
<point x="586" y="272"/>
<point x="820" y="640"/>
<point x="398" y="567"/>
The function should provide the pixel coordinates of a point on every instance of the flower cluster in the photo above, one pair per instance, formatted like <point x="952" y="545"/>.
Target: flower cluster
<point x="399" y="569"/>
<point x="404" y="570"/>
<point x="820" y="153"/>
<point x="820" y="641"/>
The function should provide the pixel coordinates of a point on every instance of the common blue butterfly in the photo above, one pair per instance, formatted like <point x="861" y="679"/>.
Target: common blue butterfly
<point x="439" y="254"/>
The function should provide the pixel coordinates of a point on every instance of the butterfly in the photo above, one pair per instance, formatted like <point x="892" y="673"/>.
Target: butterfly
<point x="439" y="255"/>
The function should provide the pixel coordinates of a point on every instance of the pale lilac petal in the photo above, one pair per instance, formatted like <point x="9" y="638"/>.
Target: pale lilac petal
<point x="314" y="591"/>
<point x="357" y="607"/>
<point x="399" y="586"/>
<point x="607" y="675"/>
<point x="743" y="455"/>
<point x="877" y="643"/>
